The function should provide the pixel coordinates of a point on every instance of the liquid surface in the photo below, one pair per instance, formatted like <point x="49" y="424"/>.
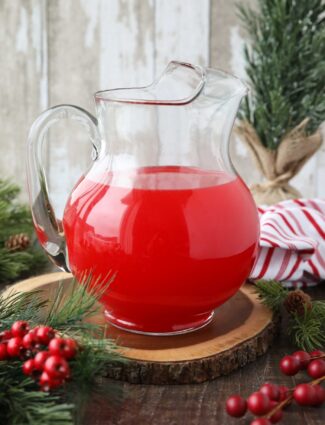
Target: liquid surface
<point x="180" y="240"/>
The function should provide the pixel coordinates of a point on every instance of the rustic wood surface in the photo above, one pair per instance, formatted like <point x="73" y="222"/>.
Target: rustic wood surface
<point x="241" y="330"/>
<point x="63" y="51"/>
<point x="199" y="404"/>
<point x="120" y="403"/>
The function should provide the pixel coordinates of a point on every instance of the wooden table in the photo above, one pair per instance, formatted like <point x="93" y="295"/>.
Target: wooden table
<point x="201" y="404"/>
<point x="120" y="403"/>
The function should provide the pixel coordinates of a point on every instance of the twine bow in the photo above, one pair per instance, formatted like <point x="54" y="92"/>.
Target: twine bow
<point x="281" y="165"/>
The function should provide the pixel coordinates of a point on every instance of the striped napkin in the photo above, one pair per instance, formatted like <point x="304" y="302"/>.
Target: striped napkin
<point x="292" y="243"/>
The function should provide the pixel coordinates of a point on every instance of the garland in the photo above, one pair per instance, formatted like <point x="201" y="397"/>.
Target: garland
<point x="21" y="401"/>
<point x="306" y="317"/>
<point x="20" y="255"/>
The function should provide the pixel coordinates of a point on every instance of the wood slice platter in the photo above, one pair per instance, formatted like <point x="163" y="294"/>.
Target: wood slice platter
<point x="241" y="330"/>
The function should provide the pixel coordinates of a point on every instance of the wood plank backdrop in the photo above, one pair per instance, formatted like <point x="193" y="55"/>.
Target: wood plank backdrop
<point x="62" y="51"/>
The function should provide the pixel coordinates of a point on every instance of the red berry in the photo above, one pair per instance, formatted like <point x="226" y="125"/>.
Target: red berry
<point x="320" y="395"/>
<point x="45" y="334"/>
<point x="29" y="367"/>
<point x="3" y="351"/>
<point x="236" y="406"/>
<point x="284" y="392"/>
<point x="271" y="391"/>
<point x="317" y="353"/>
<point x="5" y="336"/>
<point x="49" y="383"/>
<point x="15" y="346"/>
<point x="65" y="347"/>
<point x="305" y="394"/>
<point x="303" y="358"/>
<point x="70" y="348"/>
<point x="261" y="421"/>
<point x="19" y="328"/>
<point x="316" y="368"/>
<point x="30" y="341"/>
<point x="289" y="365"/>
<point x="40" y="359"/>
<point x="57" y="367"/>
<point x="258" y="403"/>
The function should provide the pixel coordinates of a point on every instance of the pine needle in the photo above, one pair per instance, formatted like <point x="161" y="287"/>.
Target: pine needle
<point x="285" y="66"/>
<point x="308" y="330"/>
<point x="21" y="306"/>
<point x="15" y="218"/>
<point x="20" y="401"/>
<point x="272" y="293"/>
<point x="22" y="404"/>
<point x="68" y="312"/>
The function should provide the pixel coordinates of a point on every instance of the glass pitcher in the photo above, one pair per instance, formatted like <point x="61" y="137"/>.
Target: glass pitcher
<point x="161" y="206"/>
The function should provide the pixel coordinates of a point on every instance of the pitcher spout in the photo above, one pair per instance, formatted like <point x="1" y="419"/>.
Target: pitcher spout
<point x="179" y="84"/>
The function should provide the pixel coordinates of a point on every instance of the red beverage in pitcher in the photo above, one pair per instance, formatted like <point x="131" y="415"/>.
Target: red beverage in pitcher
<point x="181" y="241"/>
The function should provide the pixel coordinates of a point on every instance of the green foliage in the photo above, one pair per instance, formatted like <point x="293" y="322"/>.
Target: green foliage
<point x="68" y="313"/>
<point x="22" y="404"/>
<point x="307" y="330"/>
<point x="20" y="306"/>
<point x="285" y="66"/>
<point x="20" y="401"/>
<point x="14" y="219"/>
<point x="272" y="293"/>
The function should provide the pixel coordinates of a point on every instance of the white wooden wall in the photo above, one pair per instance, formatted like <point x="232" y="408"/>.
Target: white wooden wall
<point x="62" y="51"/>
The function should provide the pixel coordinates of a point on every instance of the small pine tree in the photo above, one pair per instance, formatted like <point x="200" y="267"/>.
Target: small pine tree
<point x="16" y="219"/>
<point x="285" y="66"/>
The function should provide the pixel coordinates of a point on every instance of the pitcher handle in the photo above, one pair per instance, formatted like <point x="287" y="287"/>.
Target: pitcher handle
<point x="48" y="228"/>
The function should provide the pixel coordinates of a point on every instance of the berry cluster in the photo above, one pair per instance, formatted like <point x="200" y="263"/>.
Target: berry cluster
<point x="45" y="356"/>
<point x="270" y="400"/>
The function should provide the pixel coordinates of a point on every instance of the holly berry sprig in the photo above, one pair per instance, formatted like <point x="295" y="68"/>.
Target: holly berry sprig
<point x="270" y="400"/>
<point x="44" y="354"/>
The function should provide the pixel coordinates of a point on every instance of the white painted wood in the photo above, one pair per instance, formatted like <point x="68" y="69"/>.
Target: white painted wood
<point x="126" y="43"/>
<point x="62" y="51"/>
<point x="94" y="45"/>
<point x="181" y="32"/>
<point x="73" y="68"/>
<point x="23" y="81"/>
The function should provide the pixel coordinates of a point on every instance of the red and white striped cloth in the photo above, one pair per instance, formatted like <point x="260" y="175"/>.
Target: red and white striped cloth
<point x="292" y="243"/>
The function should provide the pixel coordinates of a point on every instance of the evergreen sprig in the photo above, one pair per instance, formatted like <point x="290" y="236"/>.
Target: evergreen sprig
<point x="20" y="306"/>
<point x="285" y="66"/>
<point x="15" y="218"/>
<point x="68" y="312"/>
<point x="272" y="293"/>
<point x="20" y="401"/>
<point x="308" y="329"/>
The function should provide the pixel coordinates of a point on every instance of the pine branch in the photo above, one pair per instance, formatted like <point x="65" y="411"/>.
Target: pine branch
<point x="272" y="293"/>
<point x="89" y="364"/>
<point x="285" y="66"/>
<point x="20" y="306"/>
<point x="92" y="358"/>
<point x="68" y="313"/>
<point x="15" y="218"/>
<point x="308" y="329"/>
<point x="21" y="264"/>
<point x="21" y="404"/>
